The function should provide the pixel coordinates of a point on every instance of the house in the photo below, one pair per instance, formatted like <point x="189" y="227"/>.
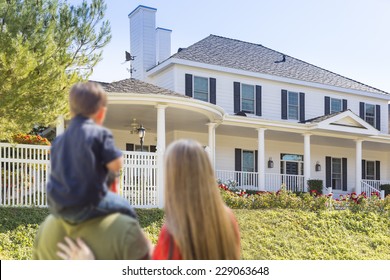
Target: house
<point x="266" y="118"/>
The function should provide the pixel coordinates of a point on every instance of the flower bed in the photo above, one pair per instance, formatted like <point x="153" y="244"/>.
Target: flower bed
<point x="241" y="199"/>
<point x="22" y="138"/>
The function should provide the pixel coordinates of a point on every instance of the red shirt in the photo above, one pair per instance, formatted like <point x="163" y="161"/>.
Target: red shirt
<point x="167" y="249"/>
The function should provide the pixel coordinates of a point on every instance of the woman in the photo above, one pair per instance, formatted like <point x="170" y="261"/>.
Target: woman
<point x="198" y="225"/>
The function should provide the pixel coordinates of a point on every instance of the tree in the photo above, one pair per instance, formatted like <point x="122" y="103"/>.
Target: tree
<point x="45" y="47"/>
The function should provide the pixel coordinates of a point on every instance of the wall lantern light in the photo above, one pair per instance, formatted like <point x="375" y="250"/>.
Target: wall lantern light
<point x="318" y="166"/>
<point x="270" y="163"/>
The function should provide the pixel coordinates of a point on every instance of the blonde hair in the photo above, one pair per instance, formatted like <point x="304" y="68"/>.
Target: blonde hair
<point x="196" y="215"/>
<point x="86" y="99"/>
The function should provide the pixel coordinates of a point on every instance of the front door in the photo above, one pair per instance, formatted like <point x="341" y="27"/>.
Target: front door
<point x="291" y="167"/>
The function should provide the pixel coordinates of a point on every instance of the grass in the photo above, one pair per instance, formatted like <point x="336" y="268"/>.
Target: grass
<point x="276" y="234"/>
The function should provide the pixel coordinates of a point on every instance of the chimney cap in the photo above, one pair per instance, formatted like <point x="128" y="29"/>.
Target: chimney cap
<point x="142" y="7"/>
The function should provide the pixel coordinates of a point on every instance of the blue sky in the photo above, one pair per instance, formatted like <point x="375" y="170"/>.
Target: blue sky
<point x="348" y="37"/>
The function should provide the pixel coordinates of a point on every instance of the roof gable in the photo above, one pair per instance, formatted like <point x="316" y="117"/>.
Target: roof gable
<point x="231" y="53"/>
<point x="345" y="121"/>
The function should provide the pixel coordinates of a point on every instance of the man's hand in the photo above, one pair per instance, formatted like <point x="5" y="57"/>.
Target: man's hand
<point x="74" y="251"/>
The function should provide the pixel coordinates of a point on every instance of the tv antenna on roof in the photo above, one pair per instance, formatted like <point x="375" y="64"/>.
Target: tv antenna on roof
<point x="129" y="58"/>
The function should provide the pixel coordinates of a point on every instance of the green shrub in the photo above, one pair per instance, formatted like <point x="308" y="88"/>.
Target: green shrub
<point x="386" y="188"/>
<point x="315" y="185"/>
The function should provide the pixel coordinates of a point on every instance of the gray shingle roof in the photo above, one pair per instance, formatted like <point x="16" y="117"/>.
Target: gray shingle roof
<point x="323" y="118"/>
<point x="136" y="86"/>
<point x="251" y="57"/>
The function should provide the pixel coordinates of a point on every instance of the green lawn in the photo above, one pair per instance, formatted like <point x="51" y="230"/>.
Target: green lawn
<point x="277" y="234"/>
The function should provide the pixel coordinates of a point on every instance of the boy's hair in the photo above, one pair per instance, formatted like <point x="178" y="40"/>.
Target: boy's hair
<point x="86" y="99"/>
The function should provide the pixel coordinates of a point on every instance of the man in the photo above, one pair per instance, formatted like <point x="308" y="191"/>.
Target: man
<point x="111" y="237"/>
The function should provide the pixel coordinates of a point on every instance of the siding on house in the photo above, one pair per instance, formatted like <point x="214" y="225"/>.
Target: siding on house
<point x="271" y="97"/>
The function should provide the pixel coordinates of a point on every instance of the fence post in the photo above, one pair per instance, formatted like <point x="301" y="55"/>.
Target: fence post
<point x="382" y="194"/>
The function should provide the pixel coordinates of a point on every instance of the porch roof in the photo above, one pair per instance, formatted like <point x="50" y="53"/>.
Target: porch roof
<point x="137" y="86"/>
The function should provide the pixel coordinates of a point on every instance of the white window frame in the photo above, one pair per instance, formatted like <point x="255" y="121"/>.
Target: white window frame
<point x="242" y="160"/>
<point x="367" y="117"/>
<point x="252" y="100"/>
<point x="194" y="92"/>
<point x="290" y="105"/>
<point x="370" y="176"/>
<point x="336" y="186"/>
<point x="340" y="101"/>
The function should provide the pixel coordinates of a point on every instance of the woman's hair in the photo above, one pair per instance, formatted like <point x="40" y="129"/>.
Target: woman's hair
<point x="196" y="215"/>
<point x="86" y="99"/>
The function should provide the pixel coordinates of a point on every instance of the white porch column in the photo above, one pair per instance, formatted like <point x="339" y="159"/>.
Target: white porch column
<point x="261" y="158"/>
<point x="358" y="174"/>
<point x="307" y="160"/>
<point x="212" y="127"/>
<point x="60" y="125"/>
<point x="160" y="153"/>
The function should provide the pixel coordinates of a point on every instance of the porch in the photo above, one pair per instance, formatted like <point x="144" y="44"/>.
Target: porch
<point x="294" y="183"/>
<point x="25" y="170"/>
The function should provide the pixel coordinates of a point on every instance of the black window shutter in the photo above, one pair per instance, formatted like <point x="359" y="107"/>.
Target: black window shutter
<point x="377" y="170"/>
<point x="188" y="85"/>
<point x="258" y="100"/>
<point x="301" y="106"/>
<point x="237" y="158"/>
<point x="327" y="105"/>
<point x="345" y="174"/>
<point x="129" y="147"/>
<point x="213" y="91"/>
<point x="378" y="117"/>
<point x="361" y="110"/>
<point x="345" y="104"/>
<point x="237" y="166"/>
<point x="328" y="167"/>
<point x="363" y="169"/>
<point x="237" y="98"/>
<point x="284" y="104"/>
<point x="256" y="161"/>
<point x="152" y="149"/>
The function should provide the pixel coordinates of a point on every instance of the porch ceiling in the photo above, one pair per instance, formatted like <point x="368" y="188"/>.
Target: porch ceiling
<point x="120" y="116"/>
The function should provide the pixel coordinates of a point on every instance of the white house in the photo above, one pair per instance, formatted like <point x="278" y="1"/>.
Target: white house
<point x="266" y="118"/>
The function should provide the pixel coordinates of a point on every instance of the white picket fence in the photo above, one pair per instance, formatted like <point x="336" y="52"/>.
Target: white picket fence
<point x="25" y="171"/>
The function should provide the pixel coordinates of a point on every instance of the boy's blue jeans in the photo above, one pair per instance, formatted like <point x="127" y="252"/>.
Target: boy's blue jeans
<point x="110" y="203"/>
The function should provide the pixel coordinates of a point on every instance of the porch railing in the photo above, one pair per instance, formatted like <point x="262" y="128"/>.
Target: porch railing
<point x="370" y="186"/>
<point x="294" y="183"/>
<point x="273" y="182"/>
<point x="24" y="171"/>
<point x="245" y="180"/>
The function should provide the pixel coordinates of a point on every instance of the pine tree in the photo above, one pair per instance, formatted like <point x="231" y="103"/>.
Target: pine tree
<point x="45" y="47"/>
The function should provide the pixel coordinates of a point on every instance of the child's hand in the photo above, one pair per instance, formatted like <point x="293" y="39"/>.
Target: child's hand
<point x="73" y="251"/>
